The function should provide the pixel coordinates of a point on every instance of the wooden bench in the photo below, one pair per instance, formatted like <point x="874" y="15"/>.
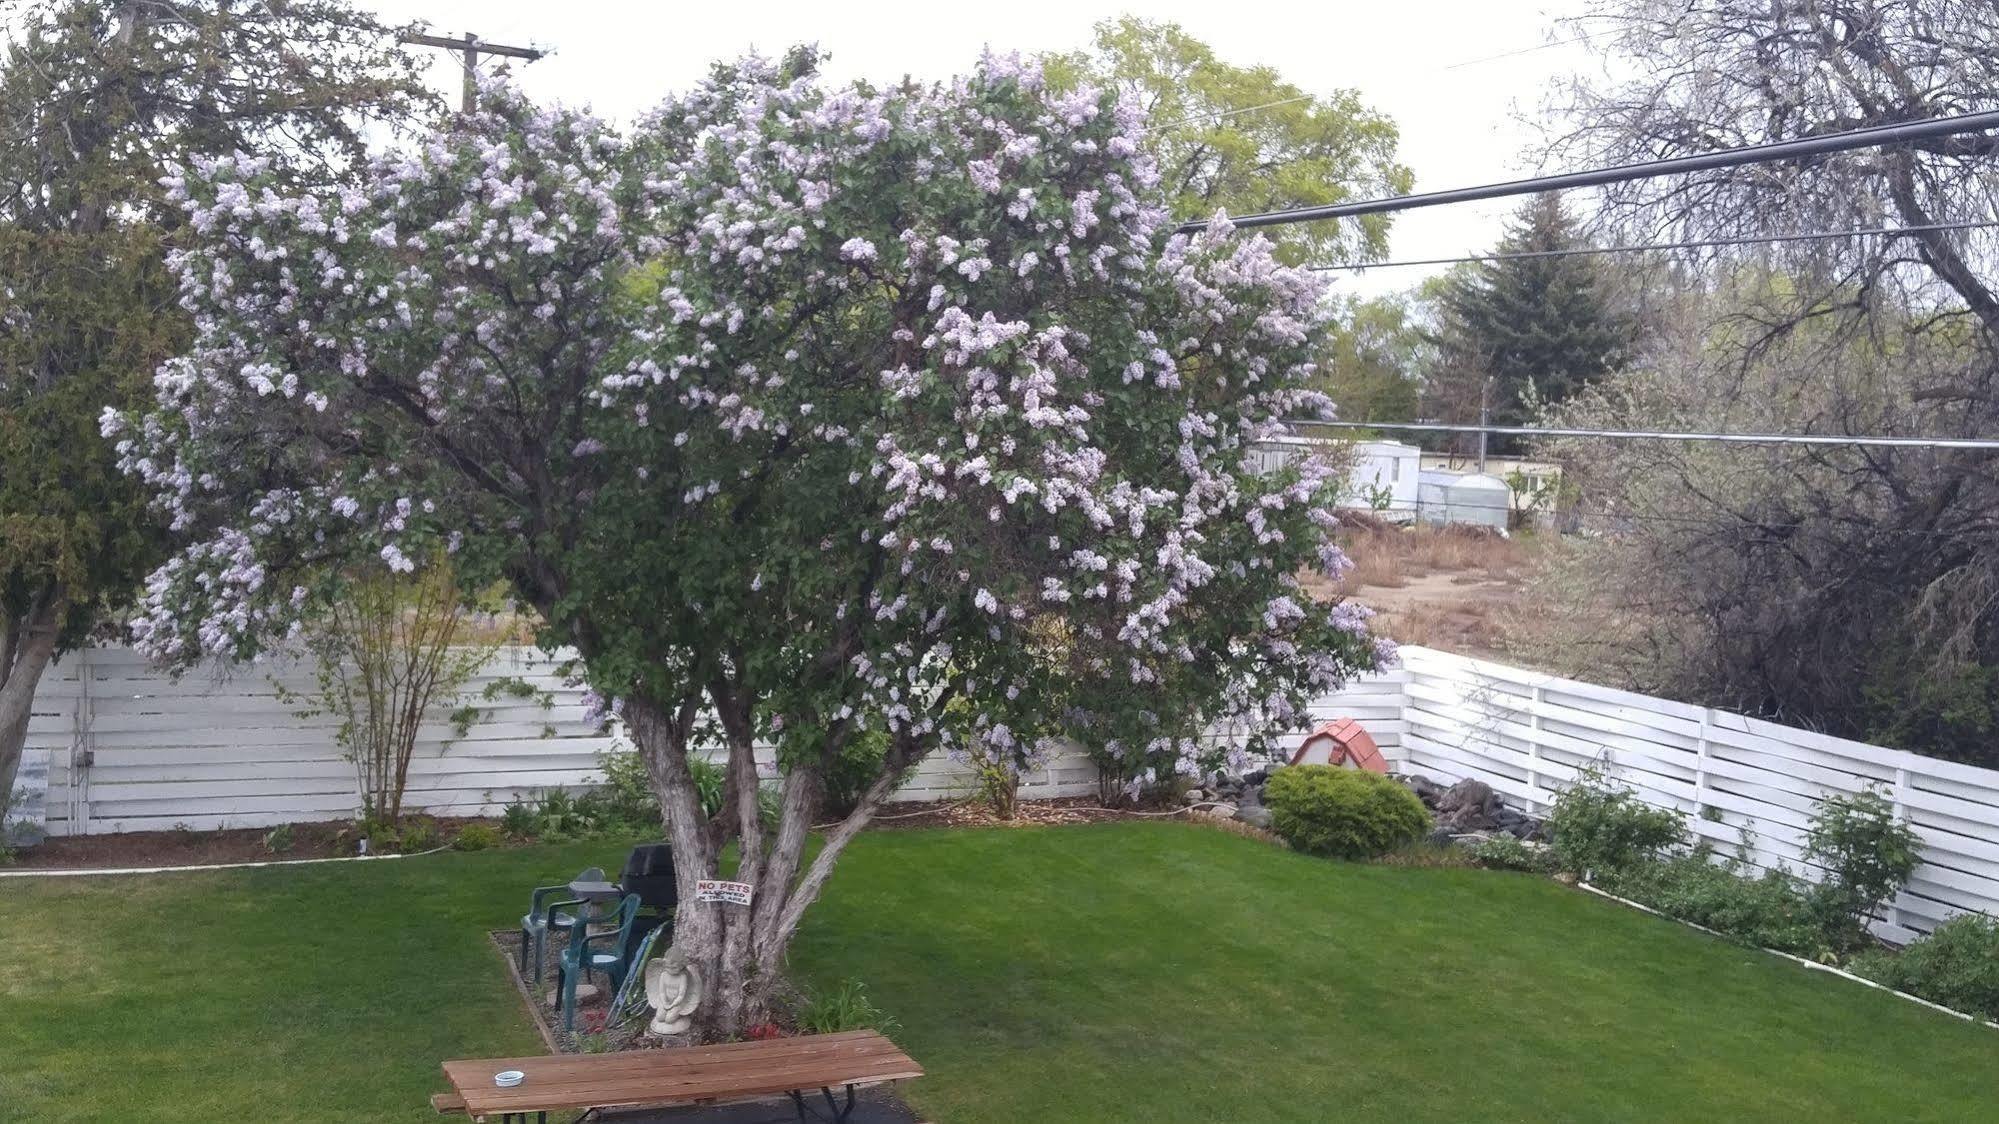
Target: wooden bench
<point x="693" y="1075"/>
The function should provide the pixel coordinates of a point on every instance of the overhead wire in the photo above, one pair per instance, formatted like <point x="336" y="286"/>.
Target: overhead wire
<point x="1225" y="114"/>
<point x="1863" y="441"/>
<point x="1765" y="153"/>
<point x="1689" y="244"/>
<point x="1417" y="510"/>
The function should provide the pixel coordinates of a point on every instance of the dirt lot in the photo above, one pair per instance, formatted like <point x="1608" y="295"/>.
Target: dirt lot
<point x="1452" y="588"/>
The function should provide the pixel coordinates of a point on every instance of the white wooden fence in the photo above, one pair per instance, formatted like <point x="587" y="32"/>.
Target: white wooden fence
<point x="1736" y="778"/>
<point x="116" y="746"/>
<point x="132" y="749"/>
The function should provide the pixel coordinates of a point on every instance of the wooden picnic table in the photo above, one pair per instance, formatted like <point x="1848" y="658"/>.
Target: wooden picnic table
<point x="673" y="1076"/>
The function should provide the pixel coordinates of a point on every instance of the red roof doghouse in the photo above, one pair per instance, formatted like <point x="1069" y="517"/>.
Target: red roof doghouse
<point x="1341" y="742"/>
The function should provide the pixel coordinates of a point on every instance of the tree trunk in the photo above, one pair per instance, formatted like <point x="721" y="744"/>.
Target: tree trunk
<point x="26" y="649"/>
<point x="739" y="950"/>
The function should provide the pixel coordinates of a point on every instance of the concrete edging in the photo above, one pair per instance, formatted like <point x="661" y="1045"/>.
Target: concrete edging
<point x="1812" y="964"/>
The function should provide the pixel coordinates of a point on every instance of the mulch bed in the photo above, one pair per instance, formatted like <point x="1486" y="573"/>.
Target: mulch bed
<point x="1028" y="813"/>
<point x="184" y="848"/>
<point x="335" y="839"/>
<point x="331" y="840"/>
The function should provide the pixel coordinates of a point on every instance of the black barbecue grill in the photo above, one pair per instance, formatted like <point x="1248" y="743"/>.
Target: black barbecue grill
<point x="649" y="874"/>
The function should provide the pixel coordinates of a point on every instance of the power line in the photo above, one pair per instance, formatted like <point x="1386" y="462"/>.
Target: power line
<point x="1739" y="518"/>
<point x="1723" y="158"/>
<point x="1220" y="115"/>
<point x="1530" y="50"/>
<point x="1224" y="114"/>
<point x="1664" y="435"/>
<point x="1695" y="244"/>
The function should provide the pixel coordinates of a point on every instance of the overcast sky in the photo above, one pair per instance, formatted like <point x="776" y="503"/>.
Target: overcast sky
<point x="1429" y="64"/>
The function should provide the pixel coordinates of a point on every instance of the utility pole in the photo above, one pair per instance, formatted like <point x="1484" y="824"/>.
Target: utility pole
<point x="470" y="49"/>
<point x="1484" y="420"/>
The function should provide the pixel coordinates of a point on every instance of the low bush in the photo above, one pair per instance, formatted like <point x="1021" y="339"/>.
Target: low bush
<point x="1344" y="813"/>
<point x="626" y="794"/>
<point x="517" y="820"/>
<point x="1597" y="827"/>
<point x="476" y="837"/>
<point x="1770" y="910"/>
<point x="1957" y="966"/>
<point x="279" y="839"/>
<point x="856" y="768"/>
<point x="708" y="783"/>
<point x="417" y="835"/>
<point x="844" y="1008"/>
<point x="1867" y="855"/>
<point x="624" y="803"/>
<point x="1503" y="852"/>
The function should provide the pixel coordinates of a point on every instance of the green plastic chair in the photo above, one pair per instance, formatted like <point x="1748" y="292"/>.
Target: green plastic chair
<point x="543" y="915"/>
<point x="580" y="958"/>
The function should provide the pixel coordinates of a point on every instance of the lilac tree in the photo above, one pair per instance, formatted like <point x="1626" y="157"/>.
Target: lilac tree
<point x="804" y="414"/>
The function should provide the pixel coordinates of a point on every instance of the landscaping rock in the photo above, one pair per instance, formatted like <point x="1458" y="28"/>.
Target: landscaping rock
<point x="1426" y="790"/>
<point x="1194" y="796"/>
<point x="1469" y="806"/>
<point x="586" y="994"/>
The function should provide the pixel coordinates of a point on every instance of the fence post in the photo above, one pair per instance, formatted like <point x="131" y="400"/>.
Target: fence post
<point x="1700" y="764"/>
<point x="1534" y="746"/>
<point x="1899" y="804"/>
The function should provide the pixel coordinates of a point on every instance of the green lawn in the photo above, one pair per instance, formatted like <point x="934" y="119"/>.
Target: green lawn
<point x="1118" y="972"/>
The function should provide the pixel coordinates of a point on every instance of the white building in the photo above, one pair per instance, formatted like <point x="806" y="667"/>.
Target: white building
<point x="1383" y="478"/>
<point x="1463" y="497"/>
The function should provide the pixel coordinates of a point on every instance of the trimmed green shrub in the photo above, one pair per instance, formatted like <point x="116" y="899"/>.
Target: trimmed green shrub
<point x="1344" y="813"/>
<point x="1598" y="827"/>
<point x="1957" y="966"/>
<point x="1867" y="855"/>
<point x="476" y="837"/>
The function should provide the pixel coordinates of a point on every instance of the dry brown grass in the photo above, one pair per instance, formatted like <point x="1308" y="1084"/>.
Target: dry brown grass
<point x="1455" y="588"/>
<point x="1386" y="556"/>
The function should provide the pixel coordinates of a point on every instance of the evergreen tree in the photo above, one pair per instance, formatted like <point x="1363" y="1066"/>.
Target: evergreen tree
<point x="1519" y="332"/>
<point x="98" y="102"/>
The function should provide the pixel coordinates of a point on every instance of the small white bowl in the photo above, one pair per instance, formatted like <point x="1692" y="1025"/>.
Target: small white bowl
<point x="508" y="1078"/>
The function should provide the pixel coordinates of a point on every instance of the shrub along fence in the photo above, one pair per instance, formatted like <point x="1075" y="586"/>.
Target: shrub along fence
<point x="1742" y="782"/>
<point x="117" y="746"/>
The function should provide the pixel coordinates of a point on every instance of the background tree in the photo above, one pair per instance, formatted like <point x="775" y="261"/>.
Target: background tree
<point x="96" y="101"/>
<point x="813" y="412"/>
<point x="1243" y="139"/>
<point x="1377" y="351"/>
<point x="1522" y="332"/>
<point x="1838" y="587"/>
